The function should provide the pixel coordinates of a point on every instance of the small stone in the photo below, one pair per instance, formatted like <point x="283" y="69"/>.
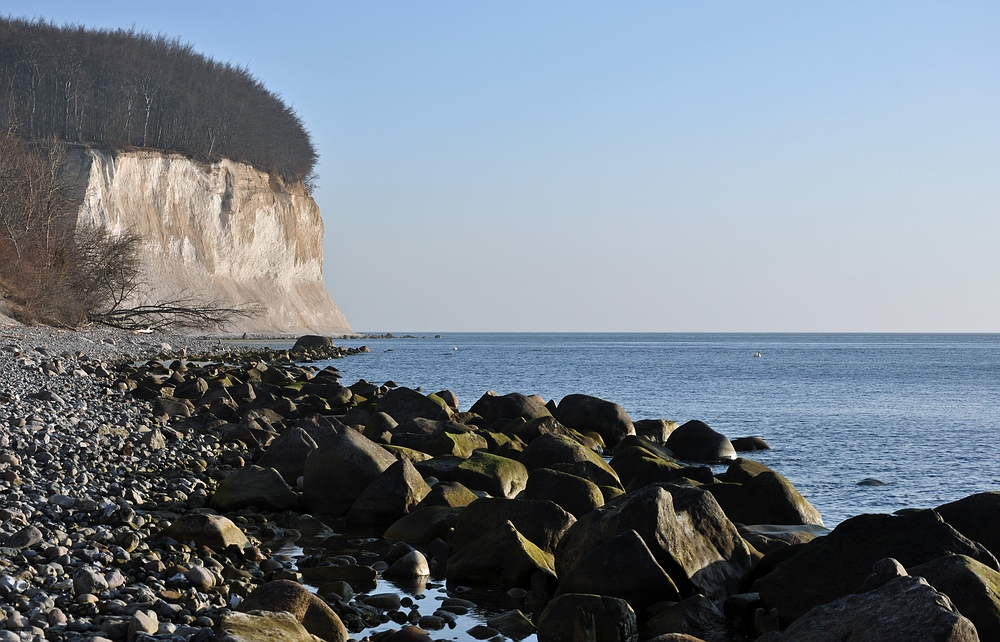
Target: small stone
<point x="143" y="621"/>
<point x="200" y="577"/>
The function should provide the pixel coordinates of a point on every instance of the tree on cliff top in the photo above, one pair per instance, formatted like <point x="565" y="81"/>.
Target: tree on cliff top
<point x="125" y="89"/>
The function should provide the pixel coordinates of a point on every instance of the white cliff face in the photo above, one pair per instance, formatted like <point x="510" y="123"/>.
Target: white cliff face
<point x="222" y="232"/>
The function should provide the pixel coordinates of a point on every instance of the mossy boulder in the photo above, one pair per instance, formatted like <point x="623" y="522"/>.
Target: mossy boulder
<point x="498" y="476"/>
<point x="288" y="452"/>
<point x="340" y="469"/>
<point x="971" y="585"/>
<point x="576" y="495"/>
<point x="501" y="556"/>
<point x="547" y="450"/>
<point x="424" y="525"/>
<point x="393" y="494"/>
<point x="543" y="522"/>
<point x="311" y="611"/>
<point x="767" y="498"/>
<point x="584" y="414"/>
<point x="451" y="494"/>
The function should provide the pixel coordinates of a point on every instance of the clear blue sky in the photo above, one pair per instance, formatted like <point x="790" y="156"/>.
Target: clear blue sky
<point x="639" y="166"/>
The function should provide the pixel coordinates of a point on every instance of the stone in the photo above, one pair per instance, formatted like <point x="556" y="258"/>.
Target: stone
<point x="974" y="588"/>
<point x="340" y="469"/>
<point x="514" y="624"/>
<point x="423" y="526"/>
<point x="655" y="430"/>
<point x="438" y="437"/>
<point x="535" y="428"/>
<point x="288" y="452"/>
<point x="696" y="616"/>
<point x="749" y="444"/>
<point x="263" y="488"/>
<point x="623" y="567"/>
<point x="683" y="527"/>
<point x="259" y="626"/>
<point x="610" y="619"/>
<point x="143" y="621"/>
<point x="767" y="498"/>
<point x="215" y="531"/>
<point x="311" y="611"/>
<point x="638" y="467"/>
<point x="585" y="414"/>
<point x="403" y="403"/>
<point x="86" y="581"/>
<point x="24" y="538"/>
<point x="171" y="407"/>
<point x="768" y="537"/>
<point x="411" y="566"/>
<point x="547" y="451"/>
<point x="542" y="522"/>
<point x="452" y="494"/>
<point x="576" y="495"/>
<point x="201" y="578"/>
<point x="493" y="408"/>
<point x="837" y="564"/>
<point x="408" y="634"/>
<point x="905" y="609"/>
<point x="696" y="441"/>
<point x="312" y="341"/>
<point x="393" y="494"/>
<point x="498" y="476"/>
<point x="976" y="517"/>
<point x="501" y="556"/>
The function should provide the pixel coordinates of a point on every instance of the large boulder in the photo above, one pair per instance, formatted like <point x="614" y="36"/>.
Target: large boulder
<point x="403" y="403"/>
<point x="767" y="498"/>
<point x="500" y="556"/>
<point x="621" y="567"/>
<point x="608" y="619"/>
<point x="288" y="452"/>
<point x="493" y="407"/>
<point x="976" y="517"/>
<point x="314" y="614"/>
<point x="542" y="522"/>
<point x="768" y="537"/>
<point x="835" y="565"/>
<point x="452" y="494"/>
<point x="547" y="450"/>
<point x="425" y="525"/>
<point x="576" y="495"/>
<point x="655" y="430"/>
<point x="696" y="441"/>
<point x="904" y="609"/>
<point x="696" y="616"/>
<point x="638" y="467"/>
<point x="973" y="587"/>
<point x="535" y="428"/>
<point x="308" y="341"/>
<point x="585" y="414"/>
<point x="263" y="488"/>
<point x="273" y="626"/>
<point x="215" y="531"/>
<point x="438" y="437"/>
<point x="393" y="494"/>
<point x="341" y="469"/>
<point x="684" y="529"/>
<point x="496" y="475"/>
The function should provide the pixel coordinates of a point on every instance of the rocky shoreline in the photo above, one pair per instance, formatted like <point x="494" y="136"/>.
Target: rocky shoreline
<point x="172" y="488"/>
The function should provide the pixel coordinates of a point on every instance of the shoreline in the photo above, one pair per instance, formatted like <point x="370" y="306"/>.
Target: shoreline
<point x="93" y="472"/>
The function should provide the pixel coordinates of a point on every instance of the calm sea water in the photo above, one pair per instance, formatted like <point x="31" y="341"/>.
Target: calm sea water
<point x="918" y="412"/>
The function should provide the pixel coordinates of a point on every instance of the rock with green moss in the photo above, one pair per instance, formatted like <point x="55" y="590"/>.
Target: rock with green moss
<point x="971" y="585"/>
<point x="543" y="522"/>
<point x="311" y="611"/>
<point x="576" y="495"/>
<point x="498" y="476"/>
<point x="424" y="525"/>
<point x="451" y="494"/>
<point x="767" y="498"/>
<point x="403" y="403"/>
<point x="584" y="414"/>
<point x="548" y="450"/>
<point x="393" y="494"/>
<point x="501" y="556"/>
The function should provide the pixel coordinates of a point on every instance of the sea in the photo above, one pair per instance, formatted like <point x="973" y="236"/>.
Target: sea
<point x="919" y="413"/>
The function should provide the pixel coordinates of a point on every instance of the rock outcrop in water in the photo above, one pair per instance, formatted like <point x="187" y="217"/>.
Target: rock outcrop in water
<point x="220" y="231"/>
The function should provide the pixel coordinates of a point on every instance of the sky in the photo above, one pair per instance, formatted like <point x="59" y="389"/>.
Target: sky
<point x="633" y="166"/>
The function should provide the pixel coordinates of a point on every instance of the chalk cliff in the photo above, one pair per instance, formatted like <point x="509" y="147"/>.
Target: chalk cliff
<point x="222" y="231"/>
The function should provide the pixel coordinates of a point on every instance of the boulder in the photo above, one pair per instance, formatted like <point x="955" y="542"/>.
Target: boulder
<point x="655" y="430"/>
<point x="403" y="403"/>
<point x="767" y="498"/>
<point x="768" y="537"/>
<point x="279" y="626"/>
<point x="502" y="555"/>
<point x="311" y="611"/>
<point x="340" y="469"/>
<point x="585" y="414"/>
<point x="535" y="428"/>
<point x="621" y="567"/>
<point x="696" y="441"/>
<point x="423" y="526"/>
<point x="610" y="619"/>
<point x="830" y="567"/>
<point x="411" y="566"/>
<point x="451" y="494"/>
<point x="493" y="407"/>
<point x="393" y="494"/>
<point x="308" y="341"/>
<point x="976" y="517"/>
<point x="263" y="488"/>
<point x="215" y="531"/>
<point x="288" y="452"/>
<point x="904" y="609"/>
<point x="696" y="616"/>
<point x="683" y="527"/>
<point x="498" y="476"/>
<point x="514" y="624"/>
<point x="542" y="522"/>
<point x="750" y="444"/>
<point x="743" y="470"/>
<point x="974" y="588"/>
<point x="638" y="467"/>
<point x="449" y="398"/>
<point x="576" y="495"/>
<point x="547" y="450"/>
<point x="438" y="437"/>
<point x="379" y="428"/>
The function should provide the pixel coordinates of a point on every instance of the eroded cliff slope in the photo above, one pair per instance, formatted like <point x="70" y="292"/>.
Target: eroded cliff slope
<point x="222" y="231"/>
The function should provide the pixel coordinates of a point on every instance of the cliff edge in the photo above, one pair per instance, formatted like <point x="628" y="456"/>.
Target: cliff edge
<point x="220" y="231"/>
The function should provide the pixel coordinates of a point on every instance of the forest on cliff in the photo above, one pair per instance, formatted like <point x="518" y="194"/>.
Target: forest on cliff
<point x="124" y="89"/>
